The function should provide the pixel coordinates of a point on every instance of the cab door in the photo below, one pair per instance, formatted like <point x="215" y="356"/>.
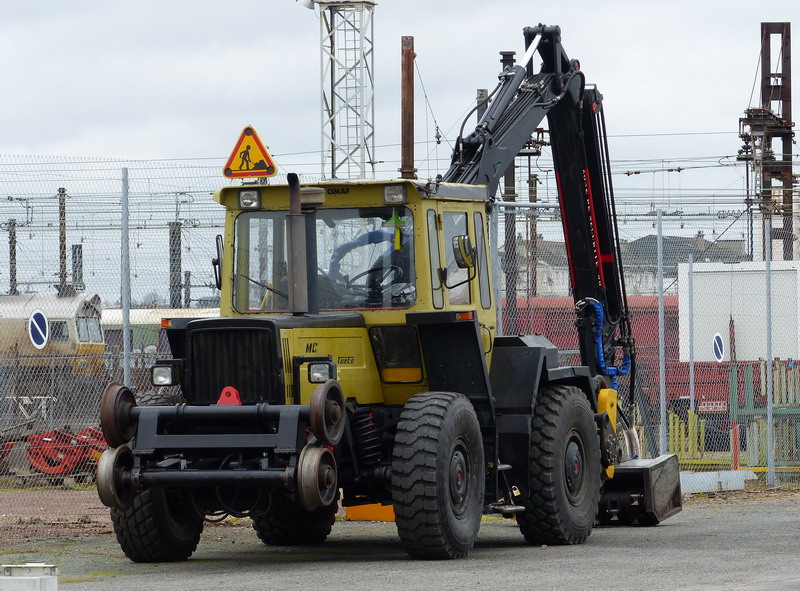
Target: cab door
<point x="456" y="288"/>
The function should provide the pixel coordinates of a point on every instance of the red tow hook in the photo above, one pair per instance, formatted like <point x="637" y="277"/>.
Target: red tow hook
<point x="229" y="395"/>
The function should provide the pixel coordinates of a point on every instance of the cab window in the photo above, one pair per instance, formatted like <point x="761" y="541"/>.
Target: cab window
<point x="455" y="224"/>
<point x="483" y="266"/>
<point x="435" y="261"/>
<point x="365" y="259"/>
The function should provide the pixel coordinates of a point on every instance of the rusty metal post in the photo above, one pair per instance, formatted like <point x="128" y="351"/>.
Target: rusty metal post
<point x="776" y="97"/>
<point x="407" y="170"/>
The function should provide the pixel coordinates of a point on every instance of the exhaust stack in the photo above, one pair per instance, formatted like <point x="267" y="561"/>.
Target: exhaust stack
<point x="298" y="268"/>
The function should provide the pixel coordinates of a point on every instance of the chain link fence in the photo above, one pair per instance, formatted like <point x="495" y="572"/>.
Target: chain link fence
<point x="703" y="390"/>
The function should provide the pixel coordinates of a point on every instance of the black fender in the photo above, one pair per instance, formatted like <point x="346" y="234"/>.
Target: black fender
<point x="520" y="366"/>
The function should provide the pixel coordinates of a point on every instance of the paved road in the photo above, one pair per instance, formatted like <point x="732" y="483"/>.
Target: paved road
<point x="743" y="545"/>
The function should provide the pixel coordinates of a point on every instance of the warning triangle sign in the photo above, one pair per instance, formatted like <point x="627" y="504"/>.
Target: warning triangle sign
<point x="249" y="158"/>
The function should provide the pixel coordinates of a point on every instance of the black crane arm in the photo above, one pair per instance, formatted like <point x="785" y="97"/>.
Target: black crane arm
<point x="520" y="102"/>
<point x="522" y="99"/>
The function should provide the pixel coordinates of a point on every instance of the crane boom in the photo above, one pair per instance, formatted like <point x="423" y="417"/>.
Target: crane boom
<point x="574" y="112"/>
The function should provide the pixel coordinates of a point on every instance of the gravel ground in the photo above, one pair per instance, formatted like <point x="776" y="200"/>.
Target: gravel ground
<point x="729" y="541"/>
<point x="30" y="516"/>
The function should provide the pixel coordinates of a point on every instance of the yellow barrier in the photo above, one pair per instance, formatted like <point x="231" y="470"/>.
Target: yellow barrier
<point x="370" y="513"/>
<point x="687" y="439"/>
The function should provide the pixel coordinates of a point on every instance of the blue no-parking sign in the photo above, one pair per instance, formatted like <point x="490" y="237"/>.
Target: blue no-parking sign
<point x="38" y="329"/>
<point x="719" y="348"/>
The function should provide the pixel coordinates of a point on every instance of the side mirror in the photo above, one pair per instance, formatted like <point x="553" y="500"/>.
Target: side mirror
<point x="463" y="252"/>
<point x="216" y="263"/>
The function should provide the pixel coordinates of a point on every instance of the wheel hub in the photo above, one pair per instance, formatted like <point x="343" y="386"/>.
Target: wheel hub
<point x="574" y="463"/>
<point x="459" y="479"/>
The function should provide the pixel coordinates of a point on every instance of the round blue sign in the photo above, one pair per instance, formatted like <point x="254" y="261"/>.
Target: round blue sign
<point x="38" y="329"/>
<point x="719" y="348"/>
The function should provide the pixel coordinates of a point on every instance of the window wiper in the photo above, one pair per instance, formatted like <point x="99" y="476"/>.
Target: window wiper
<point x="265" y="286"/>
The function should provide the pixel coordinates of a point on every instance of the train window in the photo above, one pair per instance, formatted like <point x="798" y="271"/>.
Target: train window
<point x="83" y="329"/>
<point x="95" y="332"/>
<point x="89" y="329"/>
<point x="58" y="330"/>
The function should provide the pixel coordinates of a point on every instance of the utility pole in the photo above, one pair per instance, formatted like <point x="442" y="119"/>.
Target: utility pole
<point x="62" y="241"/>
<point x="174" y="264"/>
<point x="767" y="134"/>
<point x="407" y="170"/>
<point x="77" y="265"/>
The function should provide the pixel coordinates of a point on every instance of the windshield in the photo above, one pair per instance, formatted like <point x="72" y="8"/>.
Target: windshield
<point x="364" y="259"/>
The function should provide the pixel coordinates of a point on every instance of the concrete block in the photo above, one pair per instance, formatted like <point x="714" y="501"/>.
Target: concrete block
<point x="32" y="576"/>
<point x="699" y="482"/>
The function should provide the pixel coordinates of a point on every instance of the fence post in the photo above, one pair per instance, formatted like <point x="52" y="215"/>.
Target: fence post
<point x="662" y="378"/>
<point x="125" y="283"/>
<point x="494" y="241"/>
<point x="772" y="479"/>
<point x="690" y="276"/>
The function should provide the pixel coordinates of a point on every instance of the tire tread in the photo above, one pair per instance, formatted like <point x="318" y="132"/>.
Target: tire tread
<point x="544" y="521"/>
<point x="285" y="523"/>
<point x="415" y="480"/>
<point x="140" y="532"/>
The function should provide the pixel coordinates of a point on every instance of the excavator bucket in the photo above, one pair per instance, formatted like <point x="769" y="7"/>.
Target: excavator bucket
<point x="642" y="491"/>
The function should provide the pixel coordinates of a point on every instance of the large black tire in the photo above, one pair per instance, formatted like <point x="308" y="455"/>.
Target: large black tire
<point x="564" y="469"/>
<point x="160" y="525"/>
<point x="438" y="478"/>
<point x="168" y="396"/>
<point x="286" y="523"/>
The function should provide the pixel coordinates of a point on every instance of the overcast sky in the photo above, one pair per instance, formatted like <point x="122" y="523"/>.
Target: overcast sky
<point x="162" y="79"/>
<point x="179" y="79"/>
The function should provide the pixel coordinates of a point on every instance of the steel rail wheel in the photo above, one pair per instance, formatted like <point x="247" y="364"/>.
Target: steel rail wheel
<point x="115" y="407"/>
<point x="327" y="414"/>
<point x="316" y="477"/>
<point x="160" y="524"/>
<point x="114" y="492"/>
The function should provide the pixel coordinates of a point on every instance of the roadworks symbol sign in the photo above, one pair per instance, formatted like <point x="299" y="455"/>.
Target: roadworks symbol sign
<point x="249" y="158"/>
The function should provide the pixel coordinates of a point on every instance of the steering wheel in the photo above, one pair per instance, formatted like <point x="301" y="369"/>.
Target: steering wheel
<point x="379" y="281"/>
